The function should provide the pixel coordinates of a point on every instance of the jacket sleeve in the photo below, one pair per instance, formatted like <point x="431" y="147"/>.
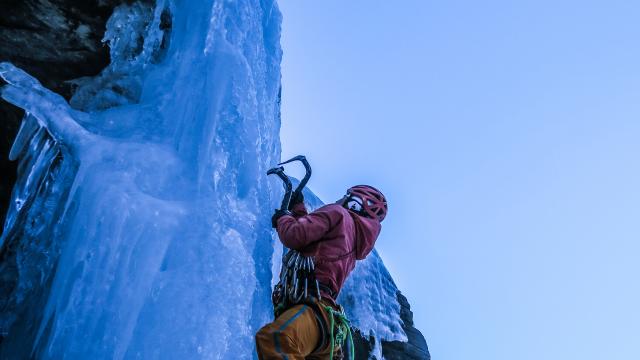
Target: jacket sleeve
<point x="296" y="233"/>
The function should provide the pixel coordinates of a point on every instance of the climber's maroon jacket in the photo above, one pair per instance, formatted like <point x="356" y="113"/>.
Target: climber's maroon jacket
<point x="336" y="237"/>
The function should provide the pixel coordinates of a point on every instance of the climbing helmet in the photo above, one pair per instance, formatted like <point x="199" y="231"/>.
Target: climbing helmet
<point x="366" y="201"/>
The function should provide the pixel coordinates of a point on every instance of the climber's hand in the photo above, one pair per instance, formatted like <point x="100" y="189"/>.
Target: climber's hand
<point x="277" y="215"/>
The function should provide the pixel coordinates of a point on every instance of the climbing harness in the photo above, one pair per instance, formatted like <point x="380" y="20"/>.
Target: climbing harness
<point x="298" y="285"/>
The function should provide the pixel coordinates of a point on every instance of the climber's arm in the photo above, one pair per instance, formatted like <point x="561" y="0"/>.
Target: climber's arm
<point x="296" y="233"/>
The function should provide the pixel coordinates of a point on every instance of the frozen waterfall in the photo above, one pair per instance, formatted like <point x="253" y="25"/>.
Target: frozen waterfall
<point x="139" y="227"/>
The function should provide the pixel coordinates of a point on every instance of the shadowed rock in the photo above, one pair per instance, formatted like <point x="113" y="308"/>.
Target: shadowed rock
<point x="55" y="41"/>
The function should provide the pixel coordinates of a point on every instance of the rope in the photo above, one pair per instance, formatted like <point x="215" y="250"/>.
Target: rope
<point x="344" y="331"/>
<point x="331" y="326"/>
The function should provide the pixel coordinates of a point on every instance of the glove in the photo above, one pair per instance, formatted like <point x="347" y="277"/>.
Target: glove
<point x="297" y="198"/>
<point x="277" y="215"/>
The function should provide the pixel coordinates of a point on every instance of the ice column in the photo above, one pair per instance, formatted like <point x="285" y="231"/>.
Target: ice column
<point x="161" y="235"/>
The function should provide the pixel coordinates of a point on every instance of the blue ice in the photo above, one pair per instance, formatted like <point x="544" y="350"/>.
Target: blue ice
<point x="142" y="206"/>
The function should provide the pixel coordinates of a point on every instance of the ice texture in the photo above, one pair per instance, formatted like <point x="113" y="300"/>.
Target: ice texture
<point x="136" y="39"/>
<point x="139" y="227"/>
<point x="158" y="241"/>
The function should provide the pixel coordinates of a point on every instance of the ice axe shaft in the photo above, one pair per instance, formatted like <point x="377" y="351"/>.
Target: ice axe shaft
<point x="286" y="182"/>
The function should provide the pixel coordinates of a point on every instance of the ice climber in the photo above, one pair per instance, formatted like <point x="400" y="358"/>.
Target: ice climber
<point x="334" y="237"/>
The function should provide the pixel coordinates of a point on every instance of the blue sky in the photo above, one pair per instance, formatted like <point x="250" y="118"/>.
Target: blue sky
<point x="506" y="136"/>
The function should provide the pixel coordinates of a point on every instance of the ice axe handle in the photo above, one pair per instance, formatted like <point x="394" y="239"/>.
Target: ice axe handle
<point x="279" y="171"/>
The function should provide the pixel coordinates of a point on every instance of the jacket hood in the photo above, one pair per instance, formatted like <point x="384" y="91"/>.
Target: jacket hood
<point x="367" y="231"/>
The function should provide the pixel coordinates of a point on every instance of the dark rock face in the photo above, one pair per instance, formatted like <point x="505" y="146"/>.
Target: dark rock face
<point x="56" y="41"/>
<point x="414" y="349"/>
<point x="10" y="118"/>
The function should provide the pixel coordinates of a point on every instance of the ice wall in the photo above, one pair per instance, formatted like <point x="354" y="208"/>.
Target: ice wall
<point x="157" y="241"/>
<point x="140" y="223"/>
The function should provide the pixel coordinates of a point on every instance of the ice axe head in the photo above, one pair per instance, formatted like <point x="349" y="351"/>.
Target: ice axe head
<point x="295" y="158"/>
<point x="307" y="175"/>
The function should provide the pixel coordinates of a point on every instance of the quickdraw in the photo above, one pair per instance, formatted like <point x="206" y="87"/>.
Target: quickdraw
<point x="297" y="284"/>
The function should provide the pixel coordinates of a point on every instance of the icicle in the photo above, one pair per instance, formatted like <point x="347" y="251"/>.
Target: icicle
<point x="28" y="128"/>
<point x="25" y="168"/>
<point x="32" y="169"/>
<point x="48" y="152"/>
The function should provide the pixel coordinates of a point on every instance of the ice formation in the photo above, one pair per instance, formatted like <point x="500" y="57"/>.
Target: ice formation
<point x="140" y="222"/>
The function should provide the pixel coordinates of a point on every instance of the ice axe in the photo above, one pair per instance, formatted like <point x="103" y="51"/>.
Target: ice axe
<point x="288" y="194"/>
<point x="307" y="175"/>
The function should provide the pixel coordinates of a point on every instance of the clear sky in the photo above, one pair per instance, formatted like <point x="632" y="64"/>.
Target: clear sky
<point x="506" y="136"/>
